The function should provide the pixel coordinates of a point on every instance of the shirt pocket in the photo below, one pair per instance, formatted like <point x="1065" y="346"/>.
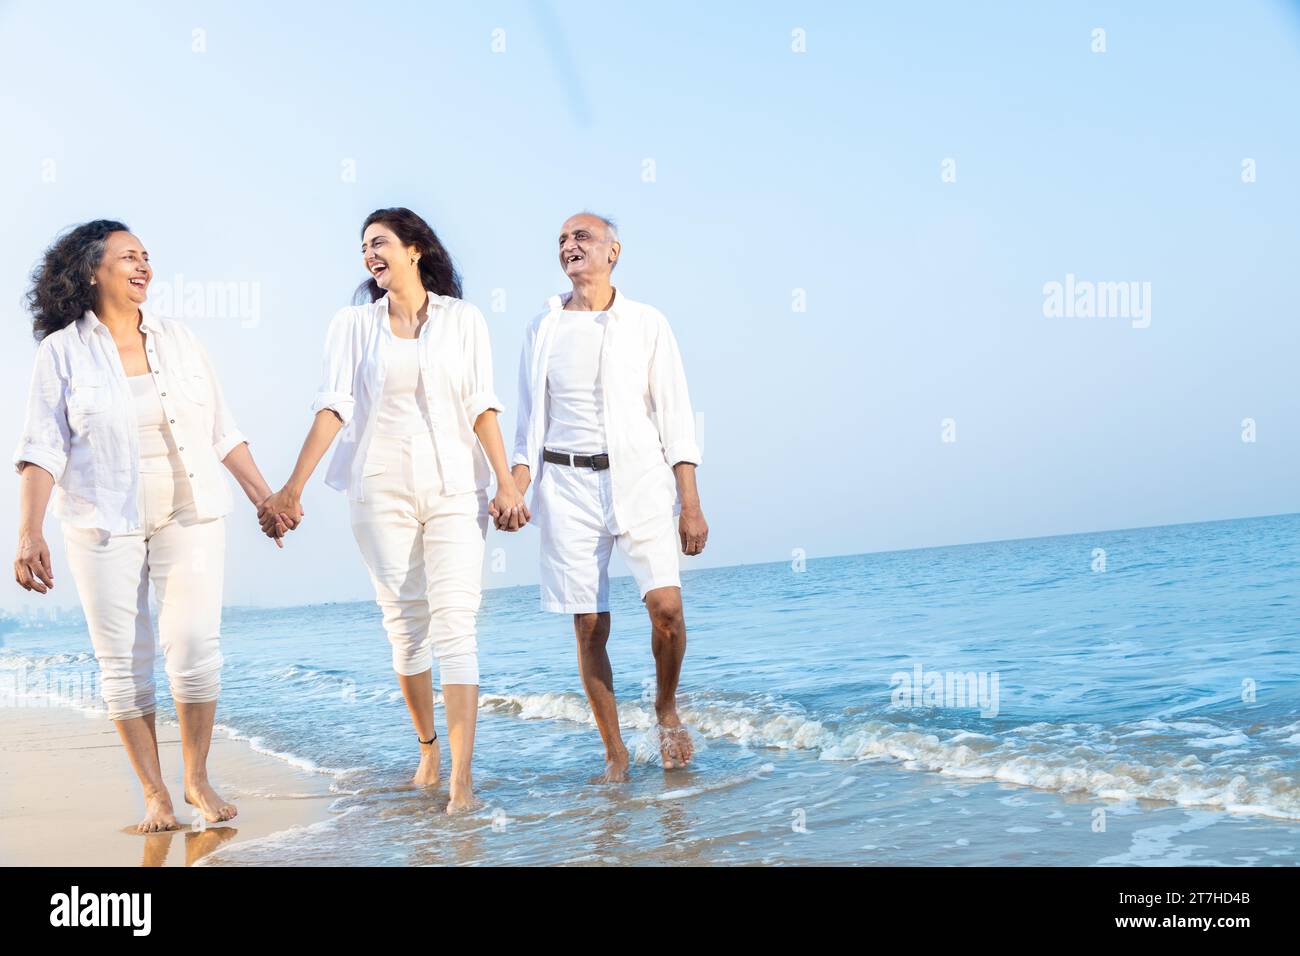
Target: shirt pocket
<point x="194" y="384"/>
<point x="628" y="370"/>
<point x="88" y="393"/>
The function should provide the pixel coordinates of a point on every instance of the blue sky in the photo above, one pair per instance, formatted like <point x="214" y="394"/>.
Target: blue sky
<point x="774" y="171"/>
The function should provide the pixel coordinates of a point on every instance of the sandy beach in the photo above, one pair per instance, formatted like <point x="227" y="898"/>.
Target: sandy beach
<point x="68" y="796"/>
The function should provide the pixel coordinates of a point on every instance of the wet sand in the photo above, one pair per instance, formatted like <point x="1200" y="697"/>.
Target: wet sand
<point x="68" y="795"/>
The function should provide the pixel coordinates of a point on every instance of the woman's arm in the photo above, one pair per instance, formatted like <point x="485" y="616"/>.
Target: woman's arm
<point x="239" y="462"/>
<point x="32" y="568"/>
<point x="508" y="508"/>
<point x="286" y="504"/>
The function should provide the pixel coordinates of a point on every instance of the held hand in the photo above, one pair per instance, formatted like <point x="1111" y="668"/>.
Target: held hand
<point x="694" y="530"/>
<point x="32" y="568"/>
<point x="508" y="509"/>
<point x="522" y="477"/>
<point x="280" y="513"/>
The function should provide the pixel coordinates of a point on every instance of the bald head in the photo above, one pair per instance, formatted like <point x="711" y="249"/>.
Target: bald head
<point x="589" y="246"/>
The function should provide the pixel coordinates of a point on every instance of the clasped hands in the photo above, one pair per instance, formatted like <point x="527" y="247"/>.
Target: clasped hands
<point x="282" y="512"/>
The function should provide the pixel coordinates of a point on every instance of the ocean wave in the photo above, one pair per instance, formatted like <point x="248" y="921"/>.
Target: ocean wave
<point x="1139" y="760"/>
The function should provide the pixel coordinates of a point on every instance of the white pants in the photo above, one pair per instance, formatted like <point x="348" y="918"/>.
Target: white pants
<point x="185" y="560"/>
<point x="424" y="552"/>
<point x="577" y="521"/>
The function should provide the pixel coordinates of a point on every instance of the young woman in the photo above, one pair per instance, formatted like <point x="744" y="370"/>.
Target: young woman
<point x="127" y="425"/>
<point x="408" y="380"/>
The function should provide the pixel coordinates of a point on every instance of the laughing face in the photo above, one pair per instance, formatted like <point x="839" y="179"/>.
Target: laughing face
<point x="586" y="249"/>
<point x="387" y="259"/>
<point x="122" y="277"/>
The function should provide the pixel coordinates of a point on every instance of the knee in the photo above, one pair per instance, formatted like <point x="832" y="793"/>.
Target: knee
<point x="196" y="688"/>
<point x="592" y="630"/>
<point x="406" y="620"/>
<point x="666" y="615"/>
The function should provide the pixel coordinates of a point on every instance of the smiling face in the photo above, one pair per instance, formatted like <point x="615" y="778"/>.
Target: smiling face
<point x="121" y="280"/>
<point x="388" y="259"/>
<point x="587" y="251"/>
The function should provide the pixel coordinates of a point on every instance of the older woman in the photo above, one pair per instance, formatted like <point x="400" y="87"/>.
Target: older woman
<point x="126" y="425"/>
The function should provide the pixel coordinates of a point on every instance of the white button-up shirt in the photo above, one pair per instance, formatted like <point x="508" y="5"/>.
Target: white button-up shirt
<point x="649" y="424"/>
<point x="455" y="373"/>
<point x="81" y="422"/>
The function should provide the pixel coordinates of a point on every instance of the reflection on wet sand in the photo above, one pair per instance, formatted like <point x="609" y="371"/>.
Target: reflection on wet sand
<point x="198" y="844"/>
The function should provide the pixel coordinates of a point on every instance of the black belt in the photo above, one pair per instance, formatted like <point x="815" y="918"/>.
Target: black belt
<point x="597" y="462"/>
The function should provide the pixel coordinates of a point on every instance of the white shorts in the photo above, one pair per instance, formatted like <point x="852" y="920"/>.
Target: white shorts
<point x="578" y="534"/>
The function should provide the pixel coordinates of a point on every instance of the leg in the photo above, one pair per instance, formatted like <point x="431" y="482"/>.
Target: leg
<point x="574" y="566"/>
<point x="651" y="552"/>
<point x="113" y="583"/>
<point x="417" y="690"/>
<point x="454" y="533"/>
<point x="186" y="564"/>
<point x="668" y="642"/>
<point x="390" y="536"/>
<point x="592" y="631"/>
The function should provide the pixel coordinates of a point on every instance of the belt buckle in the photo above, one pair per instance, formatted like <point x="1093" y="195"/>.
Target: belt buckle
<point x="600" y="462"/>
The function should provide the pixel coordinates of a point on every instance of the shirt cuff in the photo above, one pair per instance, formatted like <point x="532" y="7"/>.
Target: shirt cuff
<point x="480" y="402"/>
<point x="522" y="459"/>
<point x="52" y="461"/>
<point x="340" y="403"/>
<point x="684" y="450"/>
<point x="227" y="444"/>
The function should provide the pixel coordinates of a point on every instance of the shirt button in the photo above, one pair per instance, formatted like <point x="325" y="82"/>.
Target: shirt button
<point x="182" y="448"/>
<point x="171" y="421"/>
<point x="164" y="394"/>
<point x="191" y="474"/>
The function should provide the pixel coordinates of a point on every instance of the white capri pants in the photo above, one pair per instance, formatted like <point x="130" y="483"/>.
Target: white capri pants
<point x="424" y="551"/>
<point x="184" y="558"/>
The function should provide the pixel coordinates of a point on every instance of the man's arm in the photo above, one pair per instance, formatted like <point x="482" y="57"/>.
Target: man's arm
<point x="692" y="527"/>
<point x="520" y="470"/>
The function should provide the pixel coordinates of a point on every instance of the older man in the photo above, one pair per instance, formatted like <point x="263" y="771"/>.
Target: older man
<point x="605" y="424"/>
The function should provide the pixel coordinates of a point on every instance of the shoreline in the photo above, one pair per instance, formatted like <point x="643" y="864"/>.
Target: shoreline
<point x="70" y="798"/>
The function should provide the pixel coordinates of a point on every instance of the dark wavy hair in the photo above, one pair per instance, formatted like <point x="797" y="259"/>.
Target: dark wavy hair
<point x="437" y="272"/>
<point x="61" y="291"/>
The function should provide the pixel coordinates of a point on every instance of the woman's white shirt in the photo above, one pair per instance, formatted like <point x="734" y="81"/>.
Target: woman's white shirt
<point x="455" y="361"/>
<point x="81" y="423"/>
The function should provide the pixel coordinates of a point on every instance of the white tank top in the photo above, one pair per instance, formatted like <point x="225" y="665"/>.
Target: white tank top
<point x="402" y="408"/>
<point x="158" y="450"/>
<point x="575" y="419"/>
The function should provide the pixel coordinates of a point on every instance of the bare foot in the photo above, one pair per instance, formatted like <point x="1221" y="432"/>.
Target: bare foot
<point x="426" y="775"/>
<point x="199" y="793"/>
<point x="675" y="746"/>
<point x="616" y="769"/>
<point x="158" y="814"/>
<point x="462" y="796"/>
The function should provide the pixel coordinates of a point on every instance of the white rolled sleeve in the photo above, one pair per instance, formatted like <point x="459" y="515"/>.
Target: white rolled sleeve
<point x="673" y="414"/>
<point x="479" y="393"/>
<point x="226" y="435"/>
<point x="338" y="368"/>
<point x="47" y="438"/>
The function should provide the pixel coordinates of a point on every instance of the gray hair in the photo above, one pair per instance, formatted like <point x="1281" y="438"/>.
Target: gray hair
<point x="611" y="229"/>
